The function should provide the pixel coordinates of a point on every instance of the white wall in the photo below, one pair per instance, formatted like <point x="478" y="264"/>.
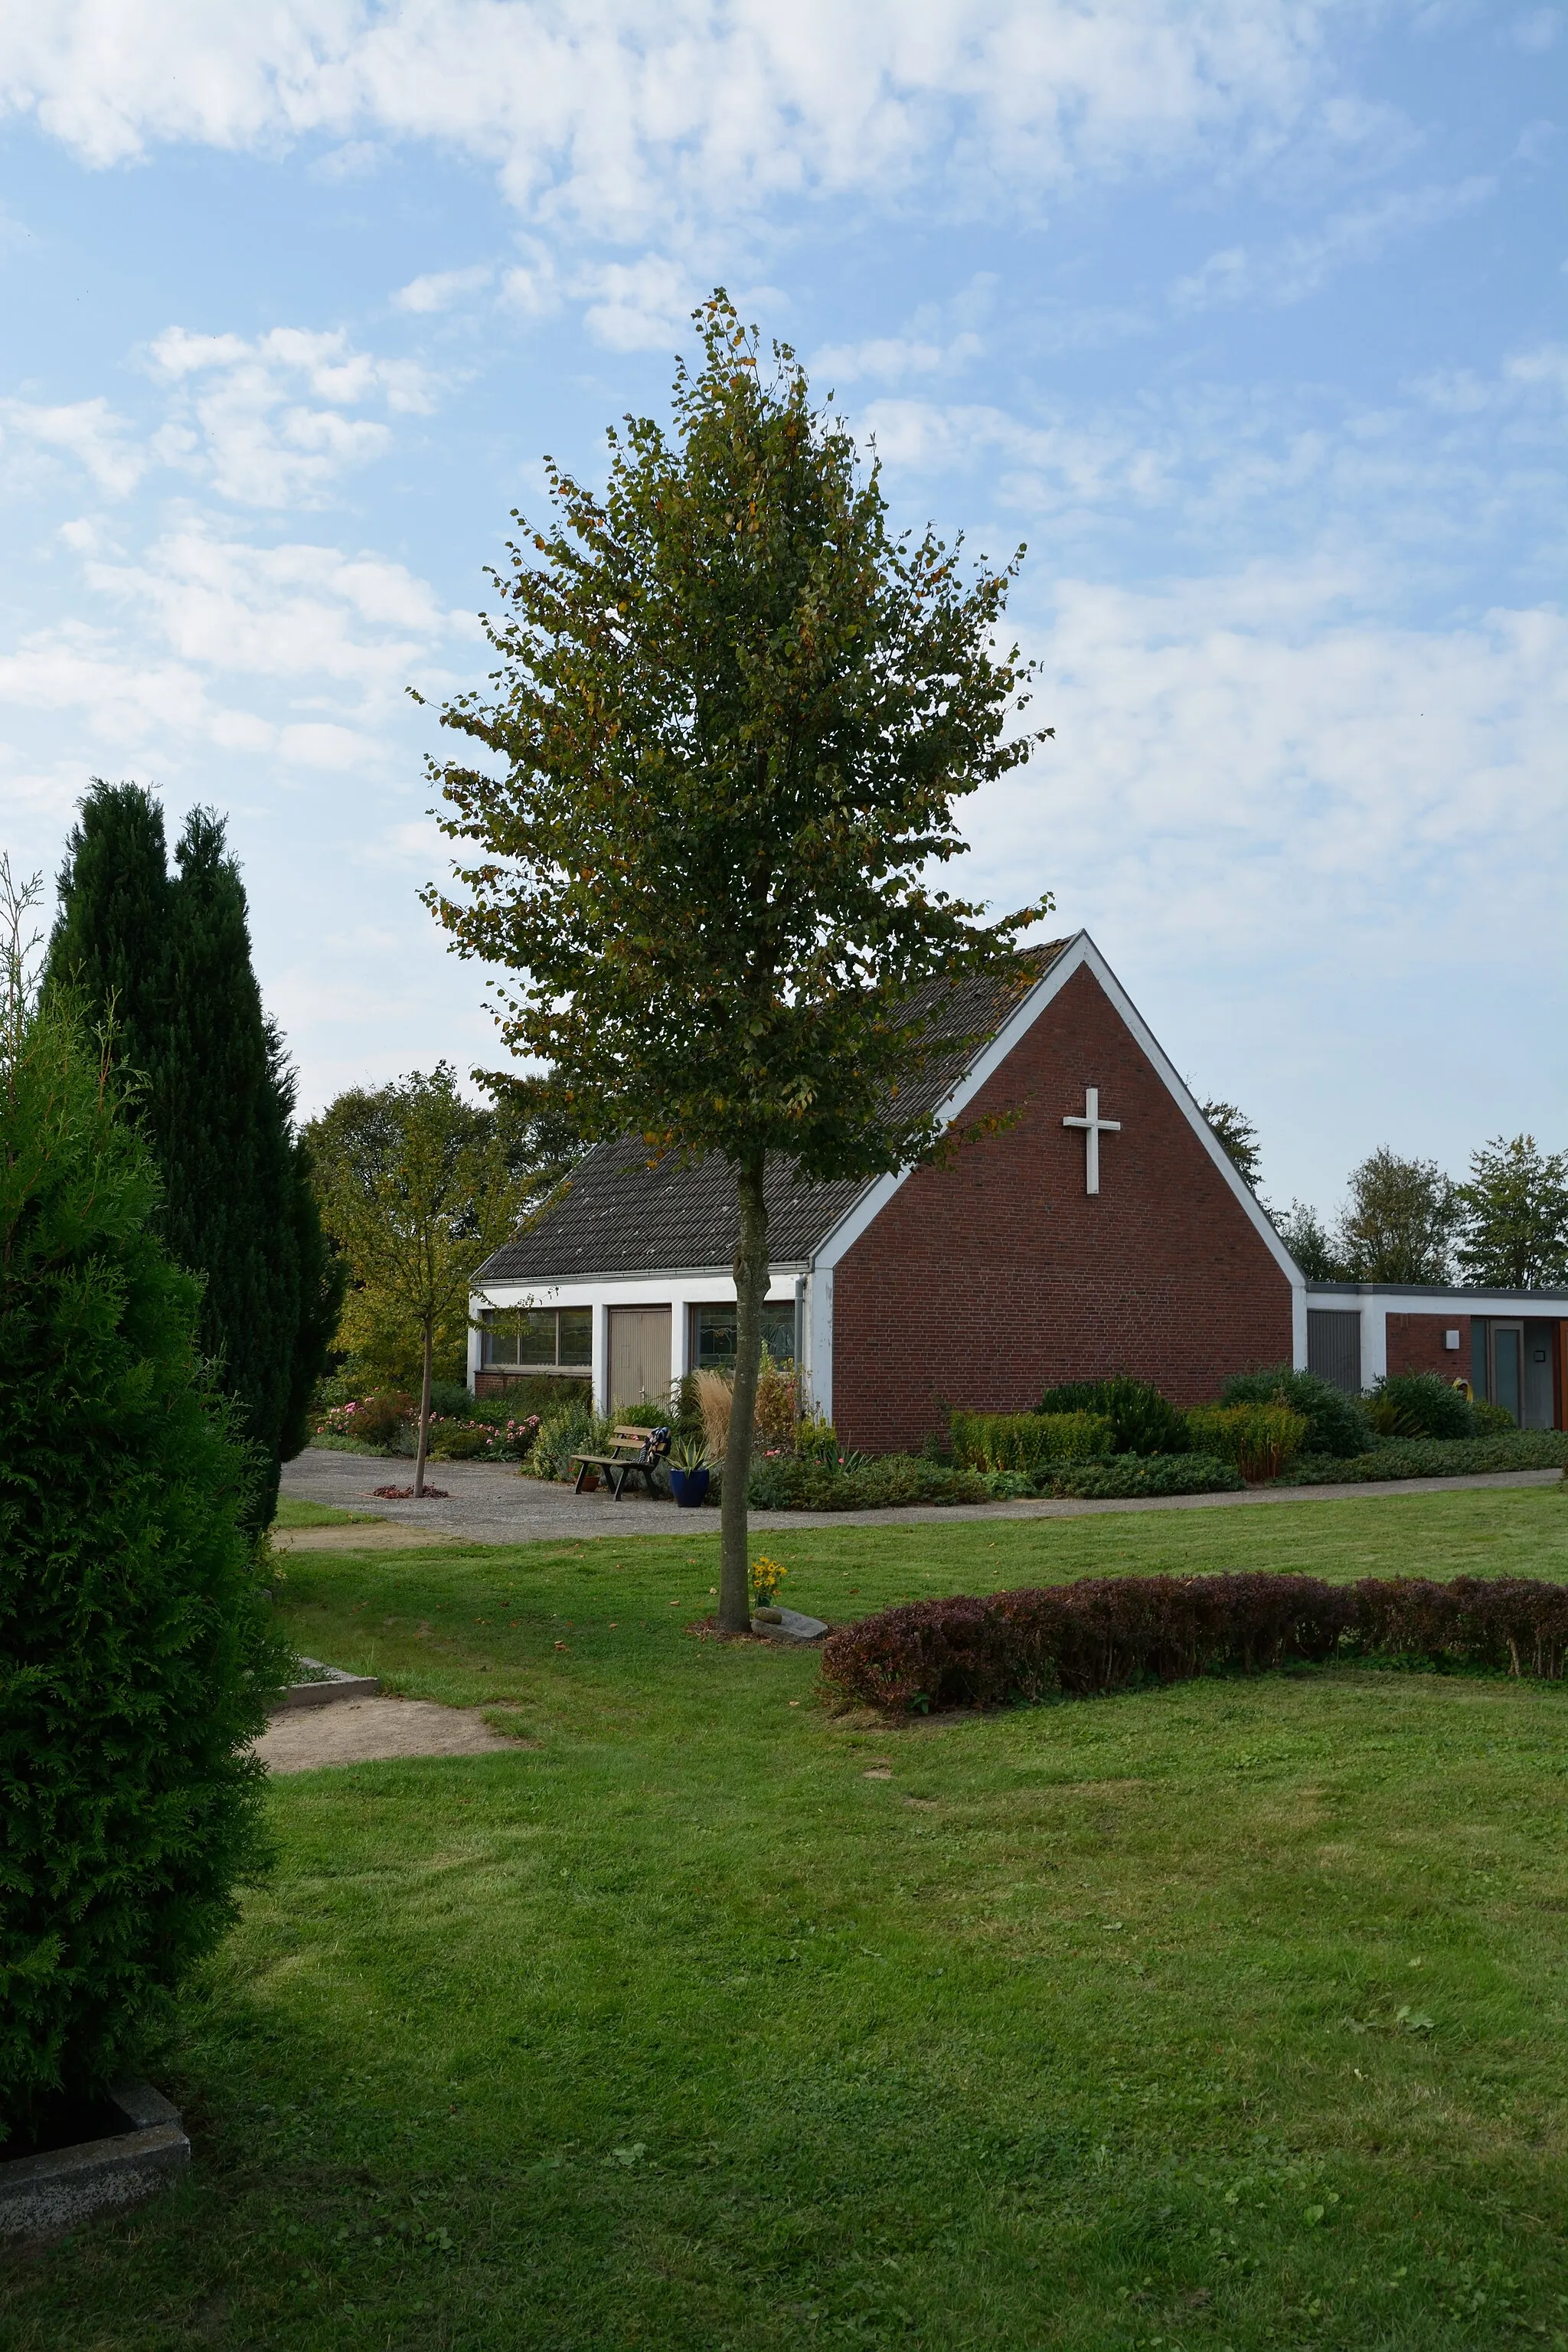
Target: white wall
<point x="677" y="1292"/>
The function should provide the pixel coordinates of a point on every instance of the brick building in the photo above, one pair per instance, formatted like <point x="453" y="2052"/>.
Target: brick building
<point x="1102" y="1229"/>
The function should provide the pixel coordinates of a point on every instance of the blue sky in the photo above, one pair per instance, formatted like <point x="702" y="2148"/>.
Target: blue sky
<point x="1251" y="316"/>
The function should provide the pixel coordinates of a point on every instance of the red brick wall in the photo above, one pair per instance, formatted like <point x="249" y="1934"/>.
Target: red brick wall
<point x="981" y="1284"/>
<point x="1416" y="1344"/>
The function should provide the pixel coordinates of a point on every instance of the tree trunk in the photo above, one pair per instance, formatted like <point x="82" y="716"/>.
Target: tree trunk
<point x="751" y="1290"/>
<point x="419" y="1459"/>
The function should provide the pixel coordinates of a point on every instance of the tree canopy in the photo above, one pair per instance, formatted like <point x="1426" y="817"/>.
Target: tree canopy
<point x="1515" y="1209"/>
<point x="733" y="713"/>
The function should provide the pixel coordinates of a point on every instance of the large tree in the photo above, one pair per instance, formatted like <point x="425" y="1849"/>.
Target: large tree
<point x="166" y="957"/>
<point x="1398" y="1223"/>
<point x="1515" y="1210"/>
<point x="734" y="712"/>
<point x="415" y="1189"/>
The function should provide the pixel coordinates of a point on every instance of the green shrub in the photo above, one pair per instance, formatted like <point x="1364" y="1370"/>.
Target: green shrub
<point x="1260" y="1438"/>
<point x="786" y="1482"/>
<point x="576" y="1430"/>
<point x="1419" y="1404"/>
<point x="1434" y="1457"/>
<point x="1492" y="1419"/>
<point x="1128" y="1476"/>
<point x="1027" y="1441"/>
<point x="1335" y="1422"/>
<point x="1142" y="1421"/>
<point x="136" y="1657"/>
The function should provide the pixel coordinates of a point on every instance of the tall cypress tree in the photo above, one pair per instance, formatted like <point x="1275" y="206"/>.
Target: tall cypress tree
<point x="168" y="957"/>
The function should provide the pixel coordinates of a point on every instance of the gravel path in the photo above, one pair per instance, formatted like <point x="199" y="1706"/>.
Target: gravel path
<point x="489" y="1505"/>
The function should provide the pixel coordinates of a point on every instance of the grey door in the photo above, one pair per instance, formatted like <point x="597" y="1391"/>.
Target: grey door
<point x="639" y="1357"/>
<point x="1540" y="1341"/>
<point x="1506" y="1383"/>
<point x="1333" y="1346"/>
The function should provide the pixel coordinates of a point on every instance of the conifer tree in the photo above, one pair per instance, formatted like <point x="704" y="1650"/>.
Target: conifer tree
<point x="169" y="956"/>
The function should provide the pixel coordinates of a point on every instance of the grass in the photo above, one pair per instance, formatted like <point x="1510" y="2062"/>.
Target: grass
<point x="293" y="1514"/>
<point x="1227" y="2015"/>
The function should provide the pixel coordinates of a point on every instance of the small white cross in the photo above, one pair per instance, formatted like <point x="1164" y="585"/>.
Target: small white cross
<point x="1093" y="1127"/>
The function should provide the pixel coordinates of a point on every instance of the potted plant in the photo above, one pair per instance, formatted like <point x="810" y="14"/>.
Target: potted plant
<point x="691" y="1468"/>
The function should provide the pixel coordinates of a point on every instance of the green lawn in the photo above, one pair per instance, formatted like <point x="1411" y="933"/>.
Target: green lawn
<point x="293" y="1514"/>
<point x="1227" y="2015"/>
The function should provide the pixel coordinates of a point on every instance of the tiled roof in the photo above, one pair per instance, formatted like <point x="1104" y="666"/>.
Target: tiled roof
<point x="617" y="1215"/>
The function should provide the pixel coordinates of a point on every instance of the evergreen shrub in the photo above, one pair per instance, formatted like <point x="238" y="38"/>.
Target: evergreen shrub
<point x="1336" y="1423"/>
<point x="1127" y="1475"/>
<point x="1141" y="1419"/>
<point x="1107" y="1634"/>
<point x="1432" y="1457"/>
<point x="136" y="1657"/>
<point x="1027" y="1441"/>
<point x="1419" y="1404"/>
<point x="1259" y="1439"/>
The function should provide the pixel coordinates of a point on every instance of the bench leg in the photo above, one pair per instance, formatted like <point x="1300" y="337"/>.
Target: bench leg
<point x="581" y="1473"/>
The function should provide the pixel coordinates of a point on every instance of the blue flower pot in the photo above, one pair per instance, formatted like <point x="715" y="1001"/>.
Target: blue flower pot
<point x="689" y="1487"/>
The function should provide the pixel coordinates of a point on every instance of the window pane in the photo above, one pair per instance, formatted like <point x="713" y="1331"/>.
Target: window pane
<point x="778" y="1330"/>
<point x="499" y="1327"/>
<point x="715" y="1334"/>
<point x="536" y="1335"/>
<point x="714" y="1337"/>
<point x="576" y="1335"/>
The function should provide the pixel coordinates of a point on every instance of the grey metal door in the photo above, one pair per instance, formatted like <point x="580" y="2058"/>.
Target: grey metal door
<point x="1333" y="1346"/>
<point x="1507" y="1369"/>
<point x="1540" y="1337"/>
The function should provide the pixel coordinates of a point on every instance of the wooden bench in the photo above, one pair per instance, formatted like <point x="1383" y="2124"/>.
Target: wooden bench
<point x="638" y="1452"/>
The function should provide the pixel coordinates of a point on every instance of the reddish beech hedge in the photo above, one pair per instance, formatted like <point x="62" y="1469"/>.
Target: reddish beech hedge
<point x="1106" y="1632"/>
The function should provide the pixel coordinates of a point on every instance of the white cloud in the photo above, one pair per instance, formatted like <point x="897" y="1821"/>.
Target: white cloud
<point x="442" y="288"/>
<point x="639" y="306"/>
<point x="87" y="430"/>
<point x="1537" y="29"/>
<point x="713" y="105"/>
<point x="264" y="421"/>
<point x="1299" y="266"/>
<point x="890" y="358"/>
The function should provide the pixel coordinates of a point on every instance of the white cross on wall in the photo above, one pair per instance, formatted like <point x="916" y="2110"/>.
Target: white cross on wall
<point x="1093" y="1127"/>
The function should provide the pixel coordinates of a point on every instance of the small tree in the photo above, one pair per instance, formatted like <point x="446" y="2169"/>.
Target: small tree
<point x="735" y="712"/>
<point x="136" y="1662"/>
<point x="1398" y="1225"/>
<point x="415" y="1190"/>
<point x="1515" y="1212"/>
<point x="1240" y="1137"/>
<point x="166" y="959"/>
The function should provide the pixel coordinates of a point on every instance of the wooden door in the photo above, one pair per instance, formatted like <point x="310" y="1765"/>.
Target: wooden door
<point x="639" y="1357"/>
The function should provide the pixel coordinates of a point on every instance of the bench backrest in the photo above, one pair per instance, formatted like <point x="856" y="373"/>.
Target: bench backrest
<point x="628" y="1435"/>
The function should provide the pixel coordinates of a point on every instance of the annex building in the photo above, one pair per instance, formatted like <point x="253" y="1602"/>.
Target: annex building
<point x="1103" y="1229"/>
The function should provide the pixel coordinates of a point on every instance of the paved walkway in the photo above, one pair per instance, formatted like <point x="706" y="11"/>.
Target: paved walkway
<point x="489" y="1504"/>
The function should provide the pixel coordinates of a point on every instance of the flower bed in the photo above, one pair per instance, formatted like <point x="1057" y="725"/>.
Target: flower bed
<point x="1109" y="1633"/>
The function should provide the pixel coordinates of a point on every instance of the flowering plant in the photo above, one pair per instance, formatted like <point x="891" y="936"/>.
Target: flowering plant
<point x="767" y="1575"/>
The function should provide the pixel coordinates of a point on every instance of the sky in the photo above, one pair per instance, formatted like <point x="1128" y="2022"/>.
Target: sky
<point x="1250" y="317"/>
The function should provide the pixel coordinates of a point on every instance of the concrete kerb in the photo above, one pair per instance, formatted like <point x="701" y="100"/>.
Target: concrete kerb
<point x="329" y="1683"/>
<point x="42" y="2197"/>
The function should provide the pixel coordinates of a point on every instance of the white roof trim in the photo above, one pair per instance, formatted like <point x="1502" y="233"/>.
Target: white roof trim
<point x="1079" y="952"/>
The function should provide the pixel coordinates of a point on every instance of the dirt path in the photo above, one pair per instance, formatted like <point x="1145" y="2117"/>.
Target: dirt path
<point x="372" y="1730"/>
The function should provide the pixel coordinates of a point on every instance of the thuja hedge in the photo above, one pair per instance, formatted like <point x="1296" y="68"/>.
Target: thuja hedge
<point x="1106" y="1633"/>
<point x="136" y="1661"/>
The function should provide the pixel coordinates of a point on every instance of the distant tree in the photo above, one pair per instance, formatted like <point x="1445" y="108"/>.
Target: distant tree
<point x="735" y="712"/>
<point x="415" y="1190"/>
<point x="137" y="1661"/>
<point x="1515" y="1210"/>
<point x="166" y="959"/>
<point x="1307" y="1238"/>
<point x="1240" y="1137"/>
<point x="1398" y="1224"/>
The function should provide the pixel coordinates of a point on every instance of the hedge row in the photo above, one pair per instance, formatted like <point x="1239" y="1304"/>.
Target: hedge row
<point x="1520" y="1449"/>
<point x="788" y="1483"/>
<point x="1105" y="1633"/>
<point x="1126" y="1475"/>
